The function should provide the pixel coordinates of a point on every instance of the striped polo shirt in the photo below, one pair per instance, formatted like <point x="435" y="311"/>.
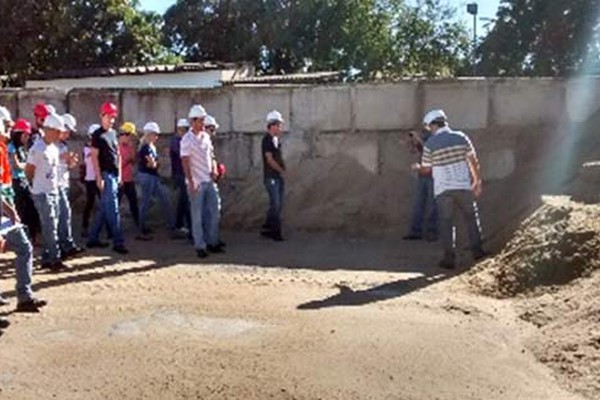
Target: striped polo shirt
<point x="446" y="154"/>
<point x="199" y="149"/>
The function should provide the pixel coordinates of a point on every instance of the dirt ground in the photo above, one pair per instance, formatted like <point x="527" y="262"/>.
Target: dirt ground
<point x="316" y="317"/>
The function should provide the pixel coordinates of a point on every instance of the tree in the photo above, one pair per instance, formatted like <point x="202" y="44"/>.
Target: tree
<point x="543" y="38"/>
<point x="73" y="34"/>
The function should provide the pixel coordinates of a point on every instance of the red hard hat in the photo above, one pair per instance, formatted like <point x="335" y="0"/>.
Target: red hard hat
<point x="22" y="125"/>
<point x="221" y="169"/>
<point x="40" y="110"/>
<point x="109" y="108"/>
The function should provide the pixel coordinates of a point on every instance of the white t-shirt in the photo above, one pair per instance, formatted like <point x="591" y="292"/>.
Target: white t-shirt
<point x="199" y="149"/>
<point x="90" y="175"/>
<point x="63" y="167"/>
<point x="45" y="158"/>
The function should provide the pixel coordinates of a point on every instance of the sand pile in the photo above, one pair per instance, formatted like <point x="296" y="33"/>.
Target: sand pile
<point x="557" y="244"/>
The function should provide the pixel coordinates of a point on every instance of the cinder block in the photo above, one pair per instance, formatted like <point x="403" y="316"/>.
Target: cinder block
<point x="28" y="98"/>
<point x="386" y="106"/>
<point x="465" y="102"/>
<point x="8" y="99"/>
<point x="363" y="148"/>
<point x="217" y="103"/>
<point x="497" y="164"/>
<point x="321" y="108"/>
<point x="251" y="105"/>
<point x="582" y="98"/>
<point x="234" y="149"/>
<point x="85" y="106"/>
<point x="141" y="106"/>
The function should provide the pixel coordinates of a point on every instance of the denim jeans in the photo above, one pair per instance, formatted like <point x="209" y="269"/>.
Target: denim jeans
<point x="19" y="243"/>
<point x="453" y="202"/>
<point x="275" y="189"/>
<point x="129" y="190"/>
<point x="198" y="201"/>
<point x="47" y="207"/>
<point x="65" y="234"/>
<point x="183" y="219"/>
<point x="211" y="215"/>
<point x="151" y="188"/>
<point x="108" y="212"/>
<point x="424" y="210"/>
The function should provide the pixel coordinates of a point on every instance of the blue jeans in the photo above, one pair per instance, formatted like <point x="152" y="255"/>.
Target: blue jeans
<point x="47" y="207"/>
<point x="275" y="189"/>
<point x="183" y="217"/>
<point x="198" y="200"/>
<point x="19" y="243"/>
<point x="152" y="187"/>
<point x="65" y="234"/>
<point x="211" y="214"/>
<point x="108" y="212"/>
<point x="424" y="208"/>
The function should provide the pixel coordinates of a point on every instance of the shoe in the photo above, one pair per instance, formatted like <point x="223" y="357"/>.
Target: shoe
<point x="144" y="238"/>
<point x="479" y="254"/>
<point x="201" y="253"/>
<point x="76" y="250"/>
<point x="3" y="301"/>
<point x="447" y="263"/>
<point x="120" y="249"/>
<point x="222" y="243"/>
<point x="179" y="234"/>
<point x="4" y="323"/>
<point x="216" y="249"/>
<point x="412" y="236"/>
<point x="97" y="245"/>
<point x="277" y="237"/>
<point x="32" y="305"/>
<point x="57" y="266"/>
<point x="147" y="231"/>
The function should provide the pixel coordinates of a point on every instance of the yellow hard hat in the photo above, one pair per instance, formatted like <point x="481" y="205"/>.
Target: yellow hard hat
<point x="128" y="128"/>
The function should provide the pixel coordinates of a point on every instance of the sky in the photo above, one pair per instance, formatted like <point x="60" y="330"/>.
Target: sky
<point x="487" y="9"/>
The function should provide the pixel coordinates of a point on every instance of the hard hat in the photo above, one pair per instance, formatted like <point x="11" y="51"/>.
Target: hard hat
<point x="183" y="123"/>
<point x="5" y="114"/>
<point x="211" y="121"/>
<point x="54" y="121"/>
<point x="434" y="115"/>
<point x="221" y="169"/>
<point x="3" y="131"/>
<point x="274" y="116"/>
<point x="197" y="111"/>
<point x="93" y="128"/>
<point x="22" y="125"/>
<point x="110" y="109"/>
<point x="50" y="108"/>
<point x="128" y="128"/>
<point x="152" y="127"/>
<point x="70" y="122"/>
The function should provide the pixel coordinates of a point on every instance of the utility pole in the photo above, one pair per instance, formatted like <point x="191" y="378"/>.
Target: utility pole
<point x="473" y="8"/>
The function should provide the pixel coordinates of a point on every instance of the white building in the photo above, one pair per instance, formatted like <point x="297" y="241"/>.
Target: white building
<point x="196" y="75"/>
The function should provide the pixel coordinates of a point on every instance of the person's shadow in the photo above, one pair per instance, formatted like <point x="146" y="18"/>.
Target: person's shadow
<point x="349" y="297"/>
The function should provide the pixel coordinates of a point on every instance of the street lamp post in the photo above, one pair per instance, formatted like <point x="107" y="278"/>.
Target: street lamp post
<point x="473" y="8"/>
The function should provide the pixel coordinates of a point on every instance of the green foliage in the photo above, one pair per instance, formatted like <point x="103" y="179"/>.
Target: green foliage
<point x="71" y="34"/>
<point x="543" y="38"/>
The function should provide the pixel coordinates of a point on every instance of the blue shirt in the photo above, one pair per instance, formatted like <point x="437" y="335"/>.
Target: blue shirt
<point x="17" y="173"/>
<point x="147" y="151"/>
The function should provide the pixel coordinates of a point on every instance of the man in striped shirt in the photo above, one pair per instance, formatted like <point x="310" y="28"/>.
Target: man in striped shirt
<point x="450" y="156"/>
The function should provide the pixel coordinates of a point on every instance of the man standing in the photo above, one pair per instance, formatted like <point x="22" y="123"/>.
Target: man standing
<point x="212" y="207"/>
<point x="451" y="158"/>
<point x="182" y="216"/>
<point x="107" y="168"/>
<point x="274" y="171"/>
<point x="200" y="172"/>
<point x="42" y="171"/>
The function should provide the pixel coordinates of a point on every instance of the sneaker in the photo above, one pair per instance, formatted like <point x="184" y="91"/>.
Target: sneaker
<point x="75" y="250"/>
<point x="179" y="234"/>
<point x="222" y="243"/>
<point x="96" y="244"/>
<point x="479" y="254"/>
<point x="144" y="238"/>
<point x="3" y="301"/>
<point x="412" y="236"/>
<point x="120" y="249"/>
<point x="277" y="237"/>
<point x="58" y="266"/>
<point x="447" y="263"/>
<point x="4" y="323"/>
<point x="32" y="305"/>
<point x="201" y="253"/>
<point x="216" y="249"/>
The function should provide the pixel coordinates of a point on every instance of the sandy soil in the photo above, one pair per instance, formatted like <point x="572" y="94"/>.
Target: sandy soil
<point x="317" y="317"/>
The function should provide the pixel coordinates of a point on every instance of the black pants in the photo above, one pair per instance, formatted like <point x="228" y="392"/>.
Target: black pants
<point x="128" y="189"/>
<point x="183" y="218"/>
<point x="25" y="207"/>
<point x="91" y="192"/>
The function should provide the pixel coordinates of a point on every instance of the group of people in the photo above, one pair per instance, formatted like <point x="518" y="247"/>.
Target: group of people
<point x="35" y="164"/>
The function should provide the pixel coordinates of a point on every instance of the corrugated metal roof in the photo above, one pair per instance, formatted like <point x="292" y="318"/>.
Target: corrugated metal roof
<point x="301" y="78"/>
<point x="140" y="70"/>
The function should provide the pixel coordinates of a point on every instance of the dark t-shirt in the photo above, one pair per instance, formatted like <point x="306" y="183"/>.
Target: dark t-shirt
<point x="271" y="144"/>
<point x="175" y="152"/>
<point x="108" y="150"/>
<point x="145" y="151"/>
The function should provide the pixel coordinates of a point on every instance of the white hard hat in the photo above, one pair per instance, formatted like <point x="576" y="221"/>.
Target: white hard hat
<point x="211" y="121"/>
<point x="70" y="122"/>
<point x="197" y="111"/>
<point x="152" y="127"/>
<point x="3" y="131"/>
<point x="434" y="115"/>
<point x="54" y="121"/>
<point x="51" y="109"/>
<point x="274" y="116"/>
<point x="5" y="114"/>
<point x="93" y="128"/>
<point x="183" y="123"/>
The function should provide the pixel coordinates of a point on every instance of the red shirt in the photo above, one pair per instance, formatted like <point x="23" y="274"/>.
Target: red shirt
<point x="127" y="161"/>
<point x="5" y="175"/>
